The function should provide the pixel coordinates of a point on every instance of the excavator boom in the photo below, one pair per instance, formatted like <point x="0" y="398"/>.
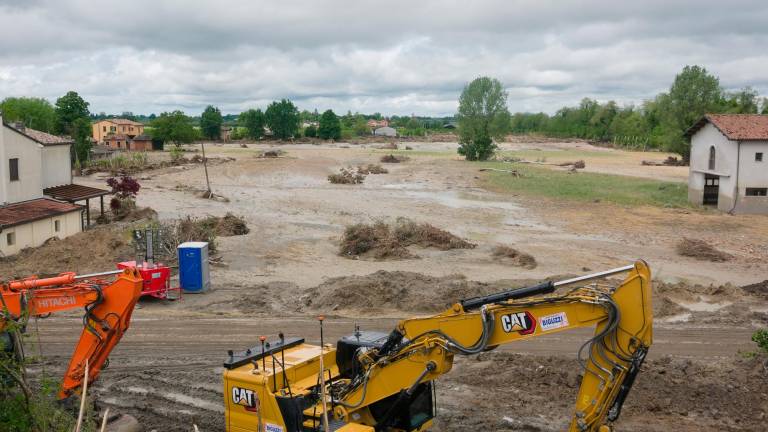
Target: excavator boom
<point x="383" y="381"/>
<point x="108" y="308"/>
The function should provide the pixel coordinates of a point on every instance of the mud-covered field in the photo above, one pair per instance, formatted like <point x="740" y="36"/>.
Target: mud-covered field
<point x="702" y="374"/>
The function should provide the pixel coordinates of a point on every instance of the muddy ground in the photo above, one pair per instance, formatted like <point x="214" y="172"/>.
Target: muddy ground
<point x="287" y="270"/>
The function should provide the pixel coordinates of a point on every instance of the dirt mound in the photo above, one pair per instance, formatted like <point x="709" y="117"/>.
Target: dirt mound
<point x="669" y="394"/>
<point x="514" y="256"/>
<point x="97" y="249"/>
<point x="390" y="158"/>
<point x="701" y="250"/>
<point x="759" y="289"/>
<point x="714" y="304"/>
<point x="398" y="290"/>
<point x="137" y="214"/>
<point x="382" y="241"/>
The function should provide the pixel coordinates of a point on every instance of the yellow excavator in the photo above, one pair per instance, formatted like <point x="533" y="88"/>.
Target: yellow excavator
<point x="372" y="381"/>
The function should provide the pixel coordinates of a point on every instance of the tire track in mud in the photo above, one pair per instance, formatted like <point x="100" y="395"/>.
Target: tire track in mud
<point x="169" y="398"/>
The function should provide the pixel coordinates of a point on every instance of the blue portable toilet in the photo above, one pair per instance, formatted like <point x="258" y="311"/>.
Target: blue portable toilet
<point x="194" y="276"/>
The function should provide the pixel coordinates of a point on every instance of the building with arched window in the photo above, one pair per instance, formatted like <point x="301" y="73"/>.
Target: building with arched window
<point x="729" y="169"/>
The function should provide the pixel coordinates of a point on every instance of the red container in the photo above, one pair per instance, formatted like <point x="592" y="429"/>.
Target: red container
<point x="157" y="278"/>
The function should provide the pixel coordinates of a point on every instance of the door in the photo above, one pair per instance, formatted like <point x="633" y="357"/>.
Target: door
<point x="711" y="189"/>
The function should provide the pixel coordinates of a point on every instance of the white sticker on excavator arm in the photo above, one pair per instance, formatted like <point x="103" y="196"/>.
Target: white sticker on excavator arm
<point x="555" y="321"/>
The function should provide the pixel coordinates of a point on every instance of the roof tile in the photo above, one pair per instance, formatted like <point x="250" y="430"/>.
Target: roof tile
<point x="29" y="211"/>
<point x="736" y="127"/>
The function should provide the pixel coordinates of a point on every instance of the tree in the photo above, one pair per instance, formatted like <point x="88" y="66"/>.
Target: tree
<point x="694" y="93"/>
<point x="483" y="117"/>
<point x="81" y="133"/>
<point x="330" y="126"/>
<point x="34" y="113"/>
<point x="310" y="131"/>
<point x="253" y="121"/>
<point x="743" y="101"/>
<point x="210" y="123"/>
<point x="282" y="118"/>
<point x="174" y="127"/>
<point x="69" y="108"/>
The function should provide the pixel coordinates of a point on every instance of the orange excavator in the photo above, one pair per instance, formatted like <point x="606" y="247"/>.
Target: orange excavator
<point x="108" y="306"/>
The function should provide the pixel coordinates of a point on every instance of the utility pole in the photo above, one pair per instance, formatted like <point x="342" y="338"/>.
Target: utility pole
<point x="205" y="167"/>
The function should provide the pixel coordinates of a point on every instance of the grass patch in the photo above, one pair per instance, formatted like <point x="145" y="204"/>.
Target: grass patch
<point x="582" y="186"/>
<point x="556" y="154"/>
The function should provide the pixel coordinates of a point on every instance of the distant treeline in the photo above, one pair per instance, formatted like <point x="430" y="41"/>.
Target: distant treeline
<point x="658" y="123"/>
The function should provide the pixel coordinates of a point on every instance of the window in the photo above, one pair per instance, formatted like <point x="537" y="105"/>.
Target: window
<point x="104" y="128"/>
<point x="13" y="168"/>
<point x="57" y="225"/>
<point x="759" y="157"/>
<point x="10" y="238"/>
<point x="712" y="157"/>
<point x="757" y="192"/>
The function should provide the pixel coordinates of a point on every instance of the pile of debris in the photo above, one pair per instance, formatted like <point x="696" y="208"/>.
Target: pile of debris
<point x="669" y="161"/>
<point x="514" y="257"/>
<point x="390" y="158"/>
<point x="382" y="241"/>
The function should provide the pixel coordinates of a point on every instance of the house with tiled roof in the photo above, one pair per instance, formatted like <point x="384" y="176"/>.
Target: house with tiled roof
<point x="729" y="162"/>
<point x="103" y="128"/>
<point x="31" y="161"/>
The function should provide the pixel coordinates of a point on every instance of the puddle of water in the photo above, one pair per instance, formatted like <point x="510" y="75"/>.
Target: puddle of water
<point x="179" y="397"/>
<point x="702" y="306"/>
<point x="679" y="318"/>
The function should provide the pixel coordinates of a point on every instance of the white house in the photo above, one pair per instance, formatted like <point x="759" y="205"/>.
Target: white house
<point x="729" y="162"/>
<point x="385" y="131"/>
<point x="31" y="161"/>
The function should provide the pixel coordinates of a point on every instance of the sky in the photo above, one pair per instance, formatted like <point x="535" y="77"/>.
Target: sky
<point x="393" y="57"/>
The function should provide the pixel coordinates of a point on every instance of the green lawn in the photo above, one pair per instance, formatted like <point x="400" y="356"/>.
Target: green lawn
<point x="583" y="186"/>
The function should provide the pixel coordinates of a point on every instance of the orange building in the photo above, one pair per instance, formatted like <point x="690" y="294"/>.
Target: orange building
<point x="104" y="128"/>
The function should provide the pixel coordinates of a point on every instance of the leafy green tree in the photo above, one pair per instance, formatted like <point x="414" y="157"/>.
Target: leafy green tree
<point x="360" y="128"/>
<point x="283" y="119"/>
<point x="35" y="113"/>
<point x="743" y="101"/>
<point x="330" y="126"/>
<point x="81" y="133"/>
<point x="210" y="123"/>
<point x="174" y="127"/>
<point x="483" y="117"/>
<point x="253" y="121"/>
<point x="310" y="131"/>
<point x="694" y="93"/>
<point x="69" y="108"/>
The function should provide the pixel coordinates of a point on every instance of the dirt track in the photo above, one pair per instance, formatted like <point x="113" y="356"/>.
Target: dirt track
<point x="167" y="373"/>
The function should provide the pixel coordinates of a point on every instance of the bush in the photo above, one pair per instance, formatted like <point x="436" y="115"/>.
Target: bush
<point x="122" y="163"/>
<point x="371" y="169"/>
<point x="310" y="131"/>
<point x="760" y="337"/>
<point x="177" y="153"/>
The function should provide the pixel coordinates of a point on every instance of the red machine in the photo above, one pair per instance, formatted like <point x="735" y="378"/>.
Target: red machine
<point x="156" y="276"/>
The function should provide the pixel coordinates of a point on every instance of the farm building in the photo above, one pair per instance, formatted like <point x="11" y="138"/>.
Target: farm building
<point x="729" y="162"/>
<point x="385" y="131"/>
<point x="125" y="142"/>
<point x="31" y="161"/>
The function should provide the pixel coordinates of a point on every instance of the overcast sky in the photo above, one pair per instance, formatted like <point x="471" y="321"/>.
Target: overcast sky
<point x="394" y="57"/>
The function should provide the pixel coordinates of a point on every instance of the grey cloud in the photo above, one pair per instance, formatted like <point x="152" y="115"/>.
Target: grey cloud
<point x="395" y="57"/>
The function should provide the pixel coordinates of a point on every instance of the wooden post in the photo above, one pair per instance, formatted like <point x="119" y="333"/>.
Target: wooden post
<point x="205" y="166"/>
<point x="88" y="211"/>
<point x="102" y="204"/>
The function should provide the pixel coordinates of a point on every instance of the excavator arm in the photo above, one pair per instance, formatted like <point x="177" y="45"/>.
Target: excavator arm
<point x="383" y="382"/>
<point x="108" y="308"/>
